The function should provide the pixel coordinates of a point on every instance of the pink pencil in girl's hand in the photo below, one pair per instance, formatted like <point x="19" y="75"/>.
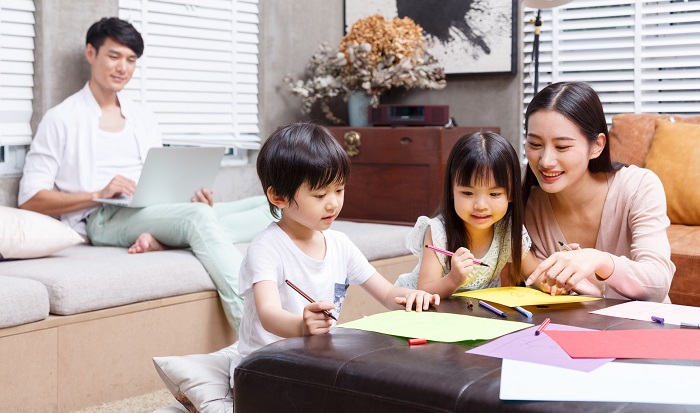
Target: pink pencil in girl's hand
<point x="442" y="251"/>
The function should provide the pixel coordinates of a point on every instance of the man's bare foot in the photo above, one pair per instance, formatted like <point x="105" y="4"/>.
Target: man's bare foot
<point x="145" y="243"/>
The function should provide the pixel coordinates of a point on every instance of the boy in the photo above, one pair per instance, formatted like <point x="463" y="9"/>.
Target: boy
<point x="303" y="171"/>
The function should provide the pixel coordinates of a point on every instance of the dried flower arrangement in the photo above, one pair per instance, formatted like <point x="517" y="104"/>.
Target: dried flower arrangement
<point x="376" y="55"/>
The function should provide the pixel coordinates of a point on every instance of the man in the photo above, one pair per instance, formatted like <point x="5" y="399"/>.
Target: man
<point x="93" y="145"/>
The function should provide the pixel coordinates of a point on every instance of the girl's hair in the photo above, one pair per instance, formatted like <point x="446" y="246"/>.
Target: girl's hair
<point x="581" y="105"/>
<point x="473" y="159"/>
<point x="297" y="154"/>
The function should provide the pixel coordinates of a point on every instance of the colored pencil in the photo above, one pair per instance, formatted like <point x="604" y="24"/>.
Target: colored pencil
<point x="542" y="326"/>
<point x="442" y="251"/>
<point x="309" y="299"/>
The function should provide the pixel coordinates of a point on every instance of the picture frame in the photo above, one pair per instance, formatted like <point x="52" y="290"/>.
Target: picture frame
<point x="482" y="41"/>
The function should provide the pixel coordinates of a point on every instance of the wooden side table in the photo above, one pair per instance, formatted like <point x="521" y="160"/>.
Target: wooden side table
<point x="397" y="172"/>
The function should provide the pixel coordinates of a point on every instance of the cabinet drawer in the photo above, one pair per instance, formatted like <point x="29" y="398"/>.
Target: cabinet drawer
<point x="394" y="146"/>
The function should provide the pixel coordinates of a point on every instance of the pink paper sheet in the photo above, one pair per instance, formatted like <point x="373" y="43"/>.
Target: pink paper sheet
<point x="666" y="344"/>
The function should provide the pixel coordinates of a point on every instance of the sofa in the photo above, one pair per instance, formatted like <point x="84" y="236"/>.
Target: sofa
<point x="81" y="326"/>
<point x="669" y="145"/>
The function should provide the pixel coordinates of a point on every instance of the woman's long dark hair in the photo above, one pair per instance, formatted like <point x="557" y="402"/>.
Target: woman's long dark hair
<point x="472" y="160"/>
<point x="581" y="105"/>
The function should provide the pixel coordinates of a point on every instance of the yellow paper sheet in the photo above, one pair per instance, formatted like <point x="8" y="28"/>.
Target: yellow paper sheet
<point x="445" y="327"/>
<point x="519" y="296"/>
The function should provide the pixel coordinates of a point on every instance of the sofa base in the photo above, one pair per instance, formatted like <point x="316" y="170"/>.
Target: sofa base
<point x="66" y="363"/>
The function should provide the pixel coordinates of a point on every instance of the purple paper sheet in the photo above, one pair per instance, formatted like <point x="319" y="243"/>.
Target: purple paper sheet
<point x="524" y="345"/>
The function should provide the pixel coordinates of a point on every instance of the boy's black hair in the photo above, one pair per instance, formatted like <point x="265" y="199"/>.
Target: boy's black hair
<point x="298" y="154"/>
<point x="119" y="30"/>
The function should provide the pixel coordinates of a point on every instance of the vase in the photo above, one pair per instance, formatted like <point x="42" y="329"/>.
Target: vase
<point x="358" y="109"/>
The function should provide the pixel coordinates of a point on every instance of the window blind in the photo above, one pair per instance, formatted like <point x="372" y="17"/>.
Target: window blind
<point x="641" y="56"/>
<point x="199" y="69"/>
<point x="16" y="71"/>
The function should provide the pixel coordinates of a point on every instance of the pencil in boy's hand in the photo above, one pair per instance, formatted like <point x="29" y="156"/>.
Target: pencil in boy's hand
<point x="450" y="253"/>
<point x="309" y="299"/>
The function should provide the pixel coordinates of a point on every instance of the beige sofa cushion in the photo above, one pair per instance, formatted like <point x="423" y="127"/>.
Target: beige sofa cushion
<point x="86" y="278"/>
<point x="22" y="301"/>
<point x="631" y="135"/>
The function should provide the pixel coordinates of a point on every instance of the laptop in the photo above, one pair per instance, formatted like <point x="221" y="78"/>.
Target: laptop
<point x="172" y="175"/>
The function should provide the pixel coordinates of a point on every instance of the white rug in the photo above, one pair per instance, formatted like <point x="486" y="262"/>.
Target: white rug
<point x="139" y="404"/>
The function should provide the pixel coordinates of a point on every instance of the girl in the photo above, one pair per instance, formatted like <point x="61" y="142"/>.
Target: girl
<point x="573" y="192"/>
<point x="481" y="203"/>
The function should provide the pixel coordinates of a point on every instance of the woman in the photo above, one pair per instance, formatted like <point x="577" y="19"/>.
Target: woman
<point x="614" y="215"/>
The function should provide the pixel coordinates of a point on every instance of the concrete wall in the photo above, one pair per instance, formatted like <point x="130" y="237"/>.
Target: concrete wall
<point x="293" y="30"/>
<point x="290" y="32"/>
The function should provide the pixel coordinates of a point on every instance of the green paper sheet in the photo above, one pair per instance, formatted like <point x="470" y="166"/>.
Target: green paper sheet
<point x="519" y="296"/>
<point x="432" y="326"/>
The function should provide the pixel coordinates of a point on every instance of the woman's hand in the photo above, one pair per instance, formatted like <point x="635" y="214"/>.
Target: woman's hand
<point x="421" y="299"/>
<point x="315" y="322"/>
<point x="563" y="270"/>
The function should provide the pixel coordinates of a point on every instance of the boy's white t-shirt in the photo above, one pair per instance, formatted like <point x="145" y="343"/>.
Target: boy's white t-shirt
<point x="273" y="256"/>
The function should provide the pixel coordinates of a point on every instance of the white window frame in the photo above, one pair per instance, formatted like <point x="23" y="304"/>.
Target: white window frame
<point x="16" y="82"/>
<point x="199" y="71"/>
<point x="641" y="56"/>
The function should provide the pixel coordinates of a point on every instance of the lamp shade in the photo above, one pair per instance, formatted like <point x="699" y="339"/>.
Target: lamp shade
<point x="545" y="4"/>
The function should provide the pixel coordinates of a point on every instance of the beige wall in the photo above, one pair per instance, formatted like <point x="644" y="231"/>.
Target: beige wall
<point x="290" y="32"/>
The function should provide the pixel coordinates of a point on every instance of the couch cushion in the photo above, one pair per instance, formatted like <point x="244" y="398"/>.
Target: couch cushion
<point x="27" y="234"/>
<point x="631" y="135"/>
<point x="200" y="382"/>
<point x="376" y="241"/>
<point x="685" y="253"/>
<point x="85" y="278"/>
<point x="22" y="301"/>
<point x="673" y="156"/>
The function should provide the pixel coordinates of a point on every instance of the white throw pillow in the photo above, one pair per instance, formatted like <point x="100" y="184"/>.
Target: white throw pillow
<point x="27" y="234"/>
<point x="200" y="382"/>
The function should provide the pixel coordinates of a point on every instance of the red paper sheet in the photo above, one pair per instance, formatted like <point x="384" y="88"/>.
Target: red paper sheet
<point x="663" y="344"/>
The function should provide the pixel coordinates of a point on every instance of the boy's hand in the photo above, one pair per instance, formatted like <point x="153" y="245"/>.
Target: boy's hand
<point x="421" y="299"/>
<point x="315" y="322"/>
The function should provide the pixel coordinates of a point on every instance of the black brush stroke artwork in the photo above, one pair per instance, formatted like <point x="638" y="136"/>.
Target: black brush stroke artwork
<point x="436" y="17"/>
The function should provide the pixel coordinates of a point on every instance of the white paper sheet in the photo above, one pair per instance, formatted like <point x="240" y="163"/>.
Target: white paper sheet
<point x="643" y="310"/>
<point x="613" y="382"/>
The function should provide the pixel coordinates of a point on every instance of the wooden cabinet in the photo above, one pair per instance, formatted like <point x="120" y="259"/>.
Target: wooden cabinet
<point x="396" y="173"/>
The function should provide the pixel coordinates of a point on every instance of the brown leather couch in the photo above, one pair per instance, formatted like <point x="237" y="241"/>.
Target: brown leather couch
<point x="631" y="136"/>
